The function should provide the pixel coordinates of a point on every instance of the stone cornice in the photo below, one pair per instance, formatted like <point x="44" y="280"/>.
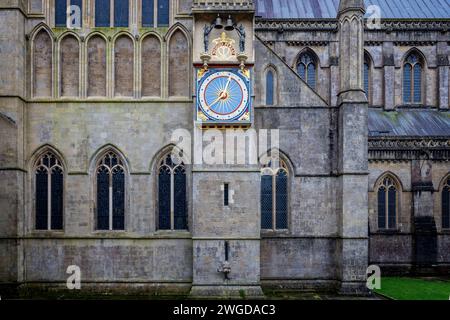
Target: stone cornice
<point x="387" y="25"/>
<point x="222" y="5"/>
<point x="409" y="148"/>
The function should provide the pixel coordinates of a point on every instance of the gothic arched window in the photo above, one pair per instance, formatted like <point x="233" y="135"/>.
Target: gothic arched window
<point x="412" y="79"/>
<point x="307" y="68"/>
<point x="110" y="180"/>
<point x="274" y="195"/>
<point x="446" y="204"/>
<point x="387" y="203"/>
<point x="270" y="88"/>
<point x="49" y="186"/>
<point x="172" y="204"/>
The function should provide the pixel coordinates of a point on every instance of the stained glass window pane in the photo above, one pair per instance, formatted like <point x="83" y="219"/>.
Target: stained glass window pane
<point x="446" y="207"/>
<point x="121" y="13"/>
<point x="60" y="13"/>
<point x="164" y="198"/>
<point x="41" y="199"/>
<point x="147" y="13"/>
<point x="103" y="199"/>
<point x="266" y="202"/>
<point x="57" y="199"/>
<point x="281" y="200"/>
<point x="269" y="88"/>
<point x="102" y="13"/>
<point x="312" y="75"/>
<point x="407" y="83"/>
<point x="118" y="199"/>
<point x="382" y="208"/>
<point x="417" y="83"/>
<point x="392" y="207"/>
<point x="180" y="212"/>
<point x="163" y="13"/>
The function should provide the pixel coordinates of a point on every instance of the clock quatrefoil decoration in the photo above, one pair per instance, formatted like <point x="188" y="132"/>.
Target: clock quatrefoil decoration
<point x="223" y="95"/>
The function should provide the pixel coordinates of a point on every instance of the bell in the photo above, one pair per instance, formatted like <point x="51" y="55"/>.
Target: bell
<point x="230" y="25"/>
<point x="218" y="24"/>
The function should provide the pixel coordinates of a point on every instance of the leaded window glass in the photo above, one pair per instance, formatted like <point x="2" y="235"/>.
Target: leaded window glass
<point x="49" y="188"/>
<point x="121" y="13"/>
<point x="60" y="13"/>
<point x="387" y="203"/>
<point x="163" y="13"/>
<point x="412" y="79"/>
<point x="269" y="88"/>
<point x="110" y="182"/>
<point x="147" y="13"/>
<point x="274" y="195"/>
<point x="307" y="68"/>
<point x="102" y="13"/>
<point x="172" y="200"/>
<point x="446" y="204"/>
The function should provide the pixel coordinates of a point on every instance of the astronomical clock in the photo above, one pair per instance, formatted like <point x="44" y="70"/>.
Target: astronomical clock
<point x="223" y="83"/>
<point x="223" y="96"/>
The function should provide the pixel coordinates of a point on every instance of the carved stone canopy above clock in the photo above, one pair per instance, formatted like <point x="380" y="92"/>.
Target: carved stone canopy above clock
<point x="224" y="45"/>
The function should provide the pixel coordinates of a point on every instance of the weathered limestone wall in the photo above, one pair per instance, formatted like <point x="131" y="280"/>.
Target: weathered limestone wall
<point x="12" y="130"/>
<point x="395" y="250"/>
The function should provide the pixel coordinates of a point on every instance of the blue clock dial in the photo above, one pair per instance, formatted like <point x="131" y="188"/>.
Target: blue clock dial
<point x="223" y="95"/>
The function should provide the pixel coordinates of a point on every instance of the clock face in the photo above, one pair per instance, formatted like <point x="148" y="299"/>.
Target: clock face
<point x="223" y="96"/>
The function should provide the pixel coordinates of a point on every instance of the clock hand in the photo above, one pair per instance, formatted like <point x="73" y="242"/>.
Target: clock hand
<point x="217" y="100"/>
<point x="228" y="83"/>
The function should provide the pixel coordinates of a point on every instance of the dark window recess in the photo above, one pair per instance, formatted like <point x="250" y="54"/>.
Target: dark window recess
<point x="41" y="199"/>
<point x="382" y="208"/>
<point x="392" y="208"/>
<point x="366" y="78"/>
<point x="225" y="194"/>
<point x="227" y="250"/>
<point x="407" y="83"/>
<point x="446" y="207"/>
<point x="102" y="199"/>
<point x="118" y="199"/>
<point x="180" y="212"/>
<point x="102" y="13"/>
<point x="163" y="13"/>
<point x="121" y="13"/>
<point x="164" y="198"/>
<point x="269" y="88"/>
<point x="266" y="202"/>
<point x="281" y="200"/>
<point x="60" y="13"/>
<point x="57" y="199"/>
<point x="147" y="13"/>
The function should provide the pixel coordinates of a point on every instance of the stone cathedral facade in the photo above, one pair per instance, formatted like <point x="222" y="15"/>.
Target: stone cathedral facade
<point x="92" y="93"/>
